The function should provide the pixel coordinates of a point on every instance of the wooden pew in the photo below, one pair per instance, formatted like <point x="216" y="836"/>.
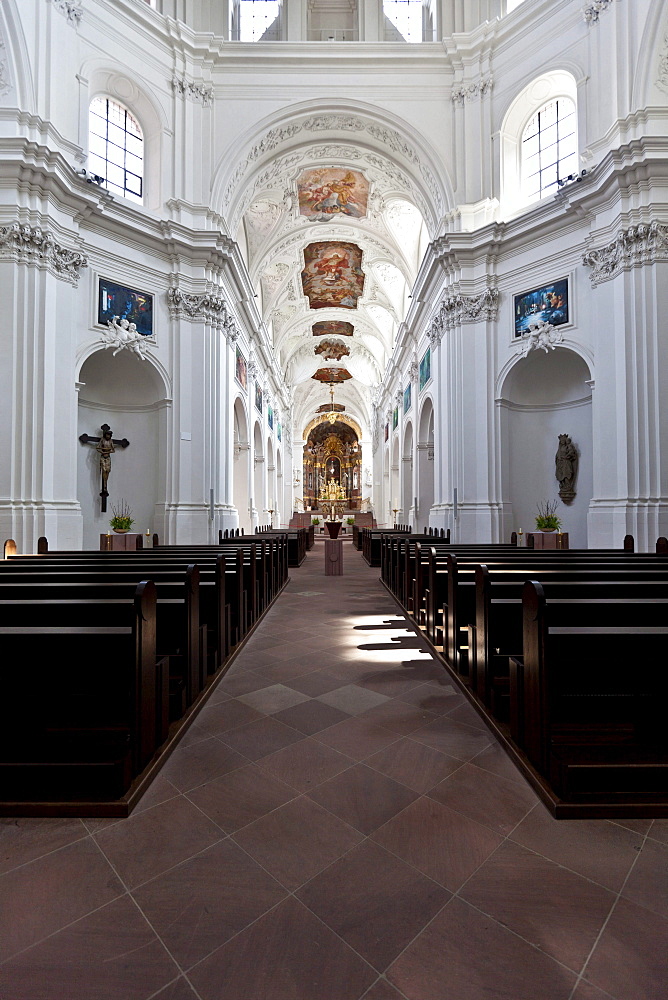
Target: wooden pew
<point x="89" y="714"/>
<point x="591" y="707"/>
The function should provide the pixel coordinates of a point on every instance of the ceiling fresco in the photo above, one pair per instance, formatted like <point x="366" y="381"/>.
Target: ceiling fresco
<point x="333" y="275"/>
<point x="331" y="351"/>
<point x="333" y="327"/>
<point x="327" y="192"/>
<point x="332" y="375"/>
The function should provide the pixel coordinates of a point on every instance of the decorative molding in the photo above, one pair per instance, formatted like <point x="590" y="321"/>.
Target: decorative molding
<point x="413" y="371"/>
<point x="594" y="10"/>
<point x="540" y="335"/>
<point x="5" y="85"/>
<point x="123" y="336"/>
<point x="459" y="309"/>
<point x="204" y="308"/>
<point x="472" y="91"/>
<point x="32" y="245"/>
<point x="333" y="122"/>
<point x="662" y="78"/>
<point x="71" y="9"/>
<point x="199" y="92"/>
<point x="632" y="247"/>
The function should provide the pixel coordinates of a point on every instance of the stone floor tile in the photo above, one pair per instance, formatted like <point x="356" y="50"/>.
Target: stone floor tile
<point x="289" y="955"/>
<point x="363" y="797"/>
<point x="352" y="699"/>
<point x="647" y="883"/>
<point x="465" y="955"/>
<point x="23" y="839"/>
<point x="305" y="765"/>
<point x="241" y="797"/>
<point x="486" y="798"/>
<point x="631" y="959"/>
<point x="417" y="766"/>
<point x="273" y="699"/>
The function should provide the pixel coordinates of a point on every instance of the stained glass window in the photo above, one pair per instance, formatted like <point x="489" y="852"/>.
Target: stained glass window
<point x="116" y="148"/>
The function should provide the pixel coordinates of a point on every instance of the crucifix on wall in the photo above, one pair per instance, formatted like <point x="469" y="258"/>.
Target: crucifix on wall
<point x="105" y="446"/>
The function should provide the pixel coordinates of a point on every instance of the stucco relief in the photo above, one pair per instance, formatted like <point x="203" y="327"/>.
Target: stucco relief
<point x="202" y="93"/>
<point x="205" y="308"/>
<point x="71" y="9"/>
<point x="458" y="309"/>
<point x="5" y="83"/>
<point x="662" y="78"/>
<point x="592" y="11"/>
<point x="632" y="247"/>
<point x="472" y="91"/>
<point x="32" y="245"/>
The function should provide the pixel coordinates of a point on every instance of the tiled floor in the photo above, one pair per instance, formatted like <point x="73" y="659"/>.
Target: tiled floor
<point x="337" y="824"/>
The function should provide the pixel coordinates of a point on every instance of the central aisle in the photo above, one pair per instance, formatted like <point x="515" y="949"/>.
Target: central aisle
<point x="337" y="824"/>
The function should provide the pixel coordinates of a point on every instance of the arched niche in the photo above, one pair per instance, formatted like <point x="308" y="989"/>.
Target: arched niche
<point x="240" y="470"/>
<point x="544" y="395"/>
<point x="425" y="464"/>
<point x="128" y="394"/>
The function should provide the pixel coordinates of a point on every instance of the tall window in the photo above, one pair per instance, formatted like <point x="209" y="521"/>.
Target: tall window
<point x="256" y="20"/>
<point x="549" y="152"/>
<point x="409" y="20"/>
<point x="116" y="148"/>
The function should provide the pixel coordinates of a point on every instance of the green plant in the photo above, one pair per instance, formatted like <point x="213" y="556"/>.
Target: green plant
<point x="122" y="519"/>
<point x="315" y="520"/>
<point x="547" y="519"/>
<point x="350" y="520"/>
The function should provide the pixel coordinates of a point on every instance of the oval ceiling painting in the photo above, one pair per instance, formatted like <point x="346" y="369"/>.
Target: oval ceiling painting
<point x="327" y="192"/>
<point x="333" y="275"/>
<point x="332" y="375"/>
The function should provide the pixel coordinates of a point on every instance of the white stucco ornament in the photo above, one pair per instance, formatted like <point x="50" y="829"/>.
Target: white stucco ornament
<point x="122" y="334"/>
<point x="540" y="335"/>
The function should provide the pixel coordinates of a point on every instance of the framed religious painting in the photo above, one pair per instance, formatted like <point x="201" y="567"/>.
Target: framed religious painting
<point x="425" y="369"/>
<point x="547" y="304"/>
<point x="258" y="397"/>
<point x="241" y="370"/>
<point x="125" y="304"/>
<point x="395" y="418"/>
<point x="270" y="416"/>
<point x="407" y="398"/>
<point x="279" y="430"/>
<point x="387" y="430"/>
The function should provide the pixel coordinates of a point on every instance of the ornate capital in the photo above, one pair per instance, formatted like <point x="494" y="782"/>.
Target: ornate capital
<point x="32" y="245"/>
<point x="204" y="308"/>
<point x="71" y="9"/>
<point x="459" y="309"/>
<point x="413" y="371"/>
<point x="633" y="247"/>
<point x="592" y="12"/>
<point x="199" y="92"/>
<point x="472" y="91"/>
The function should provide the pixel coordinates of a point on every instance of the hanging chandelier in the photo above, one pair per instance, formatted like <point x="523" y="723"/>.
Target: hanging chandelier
<point x="332" y="416"/>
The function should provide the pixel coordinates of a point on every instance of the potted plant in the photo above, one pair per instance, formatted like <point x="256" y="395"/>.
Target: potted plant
<point x="315" y="520"/>
<point x="350" y="520"/>
<point x="122" y="520"/>
<point x="547" y="519"/>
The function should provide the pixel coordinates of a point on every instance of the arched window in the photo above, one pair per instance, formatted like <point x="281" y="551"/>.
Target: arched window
<point x="116" y="148"/>
<point x="538" y="141"/>
<point x="256" y="20"/>
<point x="549" y="148"/>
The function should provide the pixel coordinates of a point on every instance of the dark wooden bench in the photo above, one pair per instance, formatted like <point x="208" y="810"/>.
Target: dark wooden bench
<point x="87" y="703"/>
<point x="590" y="707"/>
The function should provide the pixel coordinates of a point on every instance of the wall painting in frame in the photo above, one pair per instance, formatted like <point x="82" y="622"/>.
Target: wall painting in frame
<point x="425" y="369"/>
<point x="547" y="303"/>
<point x="125" y="303"/>
<point x="241" y="370"/>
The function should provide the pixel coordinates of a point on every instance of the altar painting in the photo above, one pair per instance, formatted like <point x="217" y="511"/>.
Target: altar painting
<point x="327" y="192"/>
<point x="333" y="275"/>
<point x="333" y="328"/>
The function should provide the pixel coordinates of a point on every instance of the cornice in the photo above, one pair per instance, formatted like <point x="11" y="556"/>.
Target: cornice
<point x="632" y="247"/>
<point x="26" y="244"/>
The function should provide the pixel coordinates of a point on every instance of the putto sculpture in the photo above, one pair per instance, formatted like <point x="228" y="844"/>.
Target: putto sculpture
<point x="122" y="334"/>
<point x="540" y="335"/>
